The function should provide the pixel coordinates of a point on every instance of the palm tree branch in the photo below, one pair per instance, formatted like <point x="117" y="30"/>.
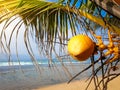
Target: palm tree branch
<point x="39" y="14"/>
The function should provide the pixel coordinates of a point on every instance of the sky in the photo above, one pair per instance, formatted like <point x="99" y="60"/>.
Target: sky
<point x="22" y="51"/>
<point x="20" y="41"/>
<point x="21" y="45"/>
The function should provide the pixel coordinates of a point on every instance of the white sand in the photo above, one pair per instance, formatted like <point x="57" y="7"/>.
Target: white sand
<point x="81" y="85"/>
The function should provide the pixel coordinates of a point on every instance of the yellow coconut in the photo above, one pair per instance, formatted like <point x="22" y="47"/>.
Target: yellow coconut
<point x="80" y="47"/>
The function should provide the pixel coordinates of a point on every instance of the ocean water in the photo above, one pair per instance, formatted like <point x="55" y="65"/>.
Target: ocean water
<point x="27" y="63"/>
<point x="40" y="62"/>
<point x="6" y="66"/>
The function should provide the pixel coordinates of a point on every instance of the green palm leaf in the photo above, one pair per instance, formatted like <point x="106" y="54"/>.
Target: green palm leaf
<point x="50" y="24"/>
<point x="49" y="21"/>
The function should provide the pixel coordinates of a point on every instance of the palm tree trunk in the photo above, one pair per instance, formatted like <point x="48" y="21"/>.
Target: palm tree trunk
<point x="109" y="6"/>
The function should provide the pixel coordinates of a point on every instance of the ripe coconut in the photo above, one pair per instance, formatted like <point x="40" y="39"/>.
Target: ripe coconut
<point x="80" y="47"/>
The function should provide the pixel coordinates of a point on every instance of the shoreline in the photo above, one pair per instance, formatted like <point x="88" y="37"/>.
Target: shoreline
<point x="30" y="78"/>
<point x="46" y="78"/>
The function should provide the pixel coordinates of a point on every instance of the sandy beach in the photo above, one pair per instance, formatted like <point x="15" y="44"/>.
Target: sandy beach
<point x="49" y="78"/>
<point x="80" y="85"/>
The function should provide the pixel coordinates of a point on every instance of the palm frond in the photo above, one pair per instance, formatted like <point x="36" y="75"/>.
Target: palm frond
<point x="50" y="25"/>
<point x="49" y="22"/>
